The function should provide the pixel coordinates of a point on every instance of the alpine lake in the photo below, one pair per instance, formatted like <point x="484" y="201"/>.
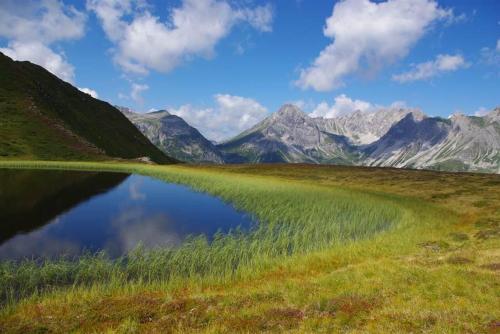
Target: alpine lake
<point x="52" y="213"/>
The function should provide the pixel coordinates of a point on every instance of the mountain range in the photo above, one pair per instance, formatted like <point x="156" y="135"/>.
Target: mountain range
<point x="43" y="117"/>
<point x="388" y="137"/>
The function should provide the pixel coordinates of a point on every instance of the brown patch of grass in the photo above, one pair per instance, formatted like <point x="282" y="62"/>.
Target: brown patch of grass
<point x="435" y="246"/>
<point x="458" y="260"/>
<point x="459" y="237"/>
<point x="493" y="327"/>
<point x="149" y="310"/>
<point x="274" y="319"/>
<point x="244" y="324"/>
<point x="487" y="234"/>
<point x="491" y="266"/>
<point x="282" y="318"/>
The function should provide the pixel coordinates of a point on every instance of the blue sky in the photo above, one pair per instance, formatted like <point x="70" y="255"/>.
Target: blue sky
<point x="225" y="64"/>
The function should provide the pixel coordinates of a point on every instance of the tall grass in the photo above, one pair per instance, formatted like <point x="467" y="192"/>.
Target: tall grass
<point x="293" y="219"/>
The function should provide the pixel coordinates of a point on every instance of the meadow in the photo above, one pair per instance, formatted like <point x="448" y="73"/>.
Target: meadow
<point x="337" y="249"/>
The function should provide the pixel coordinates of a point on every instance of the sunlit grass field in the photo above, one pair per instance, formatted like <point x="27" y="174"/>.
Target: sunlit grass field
<point x="337" y="249"/>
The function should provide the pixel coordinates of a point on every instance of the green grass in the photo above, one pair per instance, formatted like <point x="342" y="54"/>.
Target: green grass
<point x="294" y="219"/>
<point x="339" y="249"/>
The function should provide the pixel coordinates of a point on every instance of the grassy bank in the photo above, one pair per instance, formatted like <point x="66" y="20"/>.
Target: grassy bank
<point x="317" y="262"/>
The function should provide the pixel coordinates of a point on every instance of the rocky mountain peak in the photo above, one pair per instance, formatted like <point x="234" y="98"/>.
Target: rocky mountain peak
<point x="417" y="114"/>
<point x="289" y="111"/>
<point x="494" y="115"/>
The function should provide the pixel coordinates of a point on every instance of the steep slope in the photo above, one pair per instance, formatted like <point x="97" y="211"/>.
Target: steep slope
<point x="174" y="136"/>
<point x="460" y="143"/>
<point x="43" y="117"/>
<point x="289" y="135"/>
<point x="365" y="127"/>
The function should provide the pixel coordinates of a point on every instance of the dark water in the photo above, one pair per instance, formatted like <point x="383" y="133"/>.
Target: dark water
<point x="53" y="213"/>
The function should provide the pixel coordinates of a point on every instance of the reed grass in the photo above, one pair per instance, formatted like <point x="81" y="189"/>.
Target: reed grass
<point x="293" y="219"/>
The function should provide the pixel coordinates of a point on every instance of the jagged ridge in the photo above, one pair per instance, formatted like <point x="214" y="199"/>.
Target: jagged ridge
<point x="395" y="137"/>
<point x="174" y="136"/>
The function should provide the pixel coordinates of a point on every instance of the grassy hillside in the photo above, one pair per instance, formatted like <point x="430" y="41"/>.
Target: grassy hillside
<point x="43" y="117"/>
<point x="346" y="249"/>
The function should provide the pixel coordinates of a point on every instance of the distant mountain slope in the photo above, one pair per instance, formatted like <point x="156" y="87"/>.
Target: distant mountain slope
<point x="43" y="117"/>
<point x="365" y="127"/>
<point x="174" y="136"/>
<point x="289" y="135"/>
<point x="390" y="137"/>
<point x="460" y="143"/>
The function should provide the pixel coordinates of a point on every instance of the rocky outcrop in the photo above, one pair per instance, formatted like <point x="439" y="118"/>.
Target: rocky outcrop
<point x="172" y="134"/>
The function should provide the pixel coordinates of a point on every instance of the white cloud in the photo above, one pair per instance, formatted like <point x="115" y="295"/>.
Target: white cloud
<point x="260" y="18"/>
<point x="429" y="69"/>
<point x="136" y="91"/>
<point x="482" y="111"/>
<point x="89" y="91"/>
<point x="42" y="55"/>
<point x="32" y="26"/>
<point x="46" y="21"/>
<point x="232" y="115"/>
<point x="367" y="36"/>
<point x="491" y="56"/>
<point x="135" y="94"/>
<point x="342" y="105"/>
<point x="301" y="104"/>
<point x="146" y="43"/>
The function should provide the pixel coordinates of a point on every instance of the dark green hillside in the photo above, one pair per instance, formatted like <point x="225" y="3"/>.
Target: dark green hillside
<point x="43" y="117"/>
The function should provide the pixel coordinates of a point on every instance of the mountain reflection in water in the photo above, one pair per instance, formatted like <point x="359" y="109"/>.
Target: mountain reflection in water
<point x="54" y="213"/>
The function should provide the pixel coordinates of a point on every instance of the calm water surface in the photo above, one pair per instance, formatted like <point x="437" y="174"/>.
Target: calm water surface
<point x="53" y="213"/>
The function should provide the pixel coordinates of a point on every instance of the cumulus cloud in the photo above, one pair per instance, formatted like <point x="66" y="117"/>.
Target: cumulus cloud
<point x="232" y="115"/>
<point x="430" y="69"/>
<point x="42" y="55"/>
<point x="89" y="91"/>
<point x="31" y="27"/>
<point x="342" y="105"/>
<point x="144" y="42"/>
<point x="367" y="36"/>
<point x="135" y="93"/>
